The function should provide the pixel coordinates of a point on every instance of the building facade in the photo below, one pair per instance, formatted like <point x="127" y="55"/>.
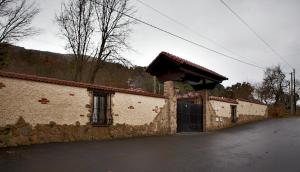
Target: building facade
<point x="36" y="110"/>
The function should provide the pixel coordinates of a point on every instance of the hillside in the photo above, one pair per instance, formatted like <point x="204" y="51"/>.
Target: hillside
<point x="49" y="64"/>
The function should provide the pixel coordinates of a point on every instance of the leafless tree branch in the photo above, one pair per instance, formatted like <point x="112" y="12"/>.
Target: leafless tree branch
<point x="104" y="35"/>
<point x="114" y="29"/>
<point x="274" y="86"/>
<point x="76" y="26"/>
<point x="15" y="20"/>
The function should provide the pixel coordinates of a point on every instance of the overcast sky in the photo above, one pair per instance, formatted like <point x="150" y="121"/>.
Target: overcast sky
<point x="277" y="21"/>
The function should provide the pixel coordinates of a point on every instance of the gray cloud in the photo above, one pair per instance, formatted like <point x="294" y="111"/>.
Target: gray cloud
<point x="277" y="21"/>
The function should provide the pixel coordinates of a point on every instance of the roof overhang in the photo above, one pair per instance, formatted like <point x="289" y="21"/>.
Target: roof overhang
<point x="167" y="67"/>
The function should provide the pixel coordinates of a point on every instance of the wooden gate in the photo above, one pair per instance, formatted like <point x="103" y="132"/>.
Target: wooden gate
<point x="189" y="116"/>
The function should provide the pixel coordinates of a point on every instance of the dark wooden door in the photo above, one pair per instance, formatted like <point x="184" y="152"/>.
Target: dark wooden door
<point x="233" y="114"/>
<point x="189" y="117"/>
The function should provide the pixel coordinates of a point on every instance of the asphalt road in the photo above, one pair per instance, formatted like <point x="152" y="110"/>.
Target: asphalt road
<point x="272" y="145"/>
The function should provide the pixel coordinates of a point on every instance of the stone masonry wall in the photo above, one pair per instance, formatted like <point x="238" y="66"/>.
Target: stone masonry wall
<point x="242" y="119"/>
<point x="170" y="93"/>
<point x="40" y="103"/>
<point x="215" y="121"/>
<point x="249" y="112"/>
<point x="35" y="112"/>
<point x="135" y="109"/>
<point x="222" y="109"/>
<point x="219" y="114"/>
<point x="248" y="108"/>
<point x="22" y="133"/>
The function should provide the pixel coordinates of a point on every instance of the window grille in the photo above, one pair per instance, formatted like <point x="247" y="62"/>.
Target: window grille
<point x="101" y="109"/>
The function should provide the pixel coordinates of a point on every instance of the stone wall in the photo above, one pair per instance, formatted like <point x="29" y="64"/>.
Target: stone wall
<point x="250" y="108"/>
<point x="219" y="113"/>
<point x="22" y="133"/>
<point x="250" y="111"/>
<point x="170" y="93"/>
<point x="215" y="121"/>
<point x="40" y="103"/>
<point x="250" y="118"/>
<point x="34" y="112"/>
<point x="222" y="109"/>
<point x="135" y="109"/>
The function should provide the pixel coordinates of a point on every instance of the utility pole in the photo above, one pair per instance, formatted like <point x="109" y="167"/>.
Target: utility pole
<point x="292" y="93"/>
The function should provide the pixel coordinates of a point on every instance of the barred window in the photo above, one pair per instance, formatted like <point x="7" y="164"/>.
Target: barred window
<point x="101" y="109"/>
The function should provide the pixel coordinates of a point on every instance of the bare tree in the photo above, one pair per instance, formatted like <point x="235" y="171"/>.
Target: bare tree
<point x="15" y="20"/>
<point x="96" y="31"/>
<point x="113" y="24"/>
<point x="263" y="94"/>
<point x="76" y="26"/>
<point x="274" y="86"/>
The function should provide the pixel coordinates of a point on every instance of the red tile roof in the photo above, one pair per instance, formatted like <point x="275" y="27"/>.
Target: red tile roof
<point x="193" y="95"/>
<point x="223" y="99"/>
<point x="75" y="84"/>
<point x="190" y="95"/>
<point x="235" y="101"/>
<point x="186" y="62"/>
<point x="251" y="101"/>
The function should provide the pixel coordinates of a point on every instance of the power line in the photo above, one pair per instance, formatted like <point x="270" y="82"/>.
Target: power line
<point x="192" y="30"/>
<point x="254" y="32"/>
<point x="187" y="40"/>
<point x="197" y="44"/>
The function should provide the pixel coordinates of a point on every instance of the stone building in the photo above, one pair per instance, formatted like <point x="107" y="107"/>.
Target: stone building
<point x="40" y="110"/>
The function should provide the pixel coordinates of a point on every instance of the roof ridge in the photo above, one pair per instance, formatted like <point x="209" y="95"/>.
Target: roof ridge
<point x="184" y="61"/>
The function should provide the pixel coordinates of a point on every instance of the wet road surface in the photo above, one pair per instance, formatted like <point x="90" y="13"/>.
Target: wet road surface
<point x="272" y="145"/>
